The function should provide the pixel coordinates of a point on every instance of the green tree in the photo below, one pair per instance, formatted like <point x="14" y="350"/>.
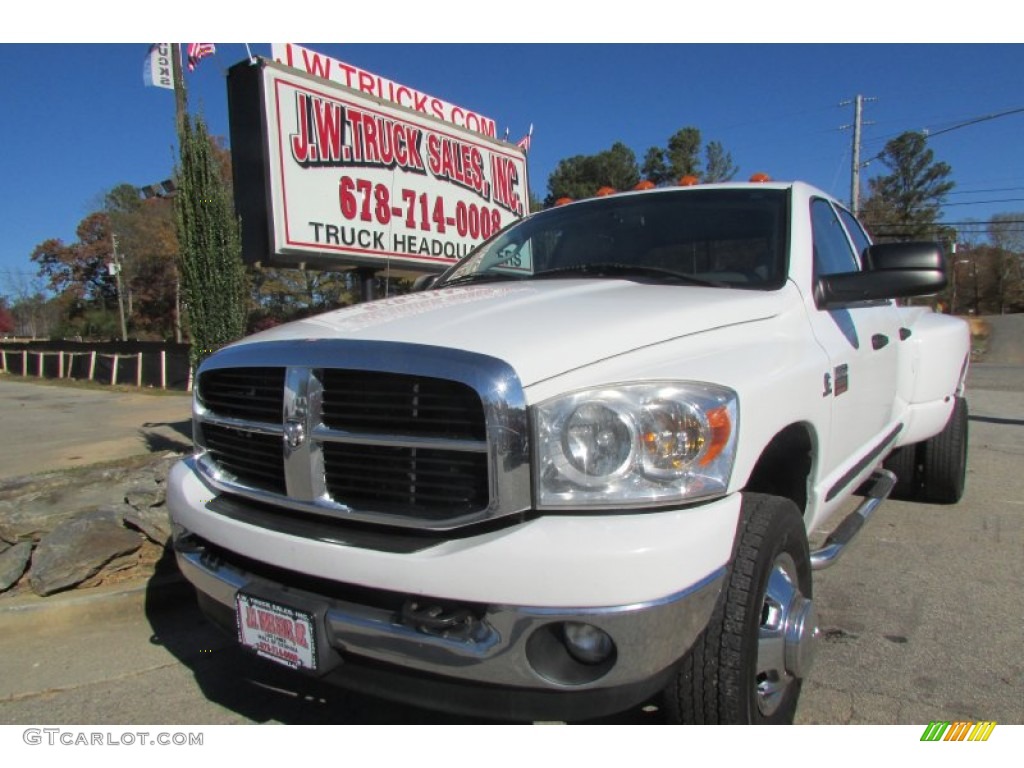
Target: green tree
<point x="582" y="175"/>
<point x="213" y="279"/>
<point x="905" y="204"/>
<point x="681" y="157"/>
<point x="718" y="164"/>
<point x="655" y="169"/>
<point x="683" y="153"/>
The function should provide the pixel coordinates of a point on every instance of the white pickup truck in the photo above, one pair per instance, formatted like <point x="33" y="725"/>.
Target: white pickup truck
<point x="580" y="470"/>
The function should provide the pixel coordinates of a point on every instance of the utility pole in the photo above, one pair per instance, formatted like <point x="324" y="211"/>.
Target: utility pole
<point x="115" y="268"/>
<point x="858" y="111"/>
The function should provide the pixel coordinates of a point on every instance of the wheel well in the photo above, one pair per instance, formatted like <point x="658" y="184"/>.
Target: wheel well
<point x="784" y="466"/>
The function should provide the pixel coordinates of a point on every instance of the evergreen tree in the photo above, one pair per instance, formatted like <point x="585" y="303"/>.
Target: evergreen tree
<point x="582" y="175"/>
<point x="213" y="280"/>
<point x="654" y="168"/>
<point x="683" y="153"/>
<point x="905" y="204"/>
<point x="718" y="164"/>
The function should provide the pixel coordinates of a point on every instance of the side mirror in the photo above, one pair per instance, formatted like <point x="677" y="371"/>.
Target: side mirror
<point x="423" y="282"/>
<point x="884" y="257"/>
<point x="892" y="271"/>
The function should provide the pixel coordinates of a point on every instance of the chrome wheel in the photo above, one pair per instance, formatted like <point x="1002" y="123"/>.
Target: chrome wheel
<point x="786" y="635"/>
<point x="748" y="665"/>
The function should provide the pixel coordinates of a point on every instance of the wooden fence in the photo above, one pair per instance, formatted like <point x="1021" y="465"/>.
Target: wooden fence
<point x="139" y="364"/>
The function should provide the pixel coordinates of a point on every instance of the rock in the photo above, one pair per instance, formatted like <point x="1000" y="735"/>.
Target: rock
<point x="13" y="562"/>
<point x="77" y="549"/>
<point x="145" y="496"/>
<point x="30" y="517"/>
<point x="80" y="514"/>
<point x="155" y="522"/>
<point x="112" y="513"/>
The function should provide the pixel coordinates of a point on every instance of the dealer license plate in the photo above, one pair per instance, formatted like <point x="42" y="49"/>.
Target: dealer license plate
<point x="276" y="632"/>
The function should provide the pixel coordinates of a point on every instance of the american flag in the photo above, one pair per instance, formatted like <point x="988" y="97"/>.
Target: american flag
<point x="197" y="51"/>
<point x="524" y="143"/>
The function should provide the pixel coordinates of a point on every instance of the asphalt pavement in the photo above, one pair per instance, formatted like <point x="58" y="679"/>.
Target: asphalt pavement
<point x="921" y="621"/>
<point x="48" y="427"/>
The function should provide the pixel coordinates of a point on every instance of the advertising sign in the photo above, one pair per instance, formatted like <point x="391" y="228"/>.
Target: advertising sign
<point x="359" y="79"/>
<point x="349" y="179"/>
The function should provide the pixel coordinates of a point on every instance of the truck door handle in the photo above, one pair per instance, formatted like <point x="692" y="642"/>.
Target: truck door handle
<point x="879" y="340"/>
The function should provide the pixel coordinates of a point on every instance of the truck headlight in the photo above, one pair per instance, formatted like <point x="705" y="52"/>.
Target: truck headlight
<point x="634" y="445"/>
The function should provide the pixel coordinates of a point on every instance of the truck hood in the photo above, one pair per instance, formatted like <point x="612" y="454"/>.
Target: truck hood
<point x="542" y="328"/>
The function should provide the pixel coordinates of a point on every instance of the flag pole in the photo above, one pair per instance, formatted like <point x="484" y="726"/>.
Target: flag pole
<point x="180" y="97"/>
<point x="180" y="111"/>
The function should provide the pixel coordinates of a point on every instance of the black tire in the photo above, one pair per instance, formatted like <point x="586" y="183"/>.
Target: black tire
<point x="944" y="459"/>
<point x="903" y="462"/>
<point x="723" y="679"/>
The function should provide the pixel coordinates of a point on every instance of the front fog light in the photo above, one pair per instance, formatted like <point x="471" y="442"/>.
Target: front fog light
<point x="586" y="643"/>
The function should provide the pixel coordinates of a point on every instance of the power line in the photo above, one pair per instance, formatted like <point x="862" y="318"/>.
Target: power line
<point x="972" y="121"/>
<point x="985" y="202"/>
<point x="979" y="191"/>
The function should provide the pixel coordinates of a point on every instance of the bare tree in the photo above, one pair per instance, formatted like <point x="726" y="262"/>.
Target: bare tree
<point x="35" y="315"/>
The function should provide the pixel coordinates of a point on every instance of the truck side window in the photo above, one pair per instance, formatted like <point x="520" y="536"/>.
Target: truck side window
<point x="832" y="251"/>
<point x="857" y="234"/>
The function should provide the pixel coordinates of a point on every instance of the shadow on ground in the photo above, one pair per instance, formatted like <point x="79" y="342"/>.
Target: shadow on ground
<point x="257" y="690"/>
<point x="261" y="691"/>
<point x="997" y="420"/>
<point x="161" y="436"/>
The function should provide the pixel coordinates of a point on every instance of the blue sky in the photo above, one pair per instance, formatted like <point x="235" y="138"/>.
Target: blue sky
<point x="79" y="121"/>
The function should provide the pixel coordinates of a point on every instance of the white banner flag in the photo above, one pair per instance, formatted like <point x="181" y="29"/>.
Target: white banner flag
<point x="156" y="71"/>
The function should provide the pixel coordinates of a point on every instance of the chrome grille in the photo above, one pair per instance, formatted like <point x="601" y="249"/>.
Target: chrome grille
<point x="389" y="403"/>
<point x="255" y="459"/>
<point x="244" y="393"/>
<point x="437" y="484"/>
<point x="372" y="432"/>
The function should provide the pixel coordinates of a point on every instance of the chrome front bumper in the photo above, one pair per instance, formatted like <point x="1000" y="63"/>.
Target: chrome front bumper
<point x="503" y="647"/>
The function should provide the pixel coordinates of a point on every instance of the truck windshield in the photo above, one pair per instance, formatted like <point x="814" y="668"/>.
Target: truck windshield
<point x="725" y="237"/>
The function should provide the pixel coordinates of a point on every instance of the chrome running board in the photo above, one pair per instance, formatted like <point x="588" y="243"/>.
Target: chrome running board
<point x="875" y="490"/>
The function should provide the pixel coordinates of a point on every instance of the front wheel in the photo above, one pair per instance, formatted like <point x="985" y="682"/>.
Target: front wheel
<point x="748" y="664"/>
